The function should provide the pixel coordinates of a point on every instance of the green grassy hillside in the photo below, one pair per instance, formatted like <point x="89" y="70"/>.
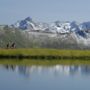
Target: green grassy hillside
<point x="47" y="53"/>
<point x="35" y="51"/>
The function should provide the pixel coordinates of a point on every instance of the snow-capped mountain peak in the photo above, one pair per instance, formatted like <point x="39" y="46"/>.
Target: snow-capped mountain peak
<point x="80" y="29"/>
<point x="28" y="19"/>
<point x="58" y="26"/>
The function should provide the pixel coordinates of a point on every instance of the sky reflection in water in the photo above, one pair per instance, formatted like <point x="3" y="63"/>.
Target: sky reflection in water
<point x="44" y="77"/>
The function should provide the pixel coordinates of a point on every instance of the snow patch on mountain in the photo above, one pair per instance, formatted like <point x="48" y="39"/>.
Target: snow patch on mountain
<point x="79" y="31"/>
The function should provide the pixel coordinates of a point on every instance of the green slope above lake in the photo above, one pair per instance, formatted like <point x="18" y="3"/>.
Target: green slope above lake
<point x="45" y="53"/>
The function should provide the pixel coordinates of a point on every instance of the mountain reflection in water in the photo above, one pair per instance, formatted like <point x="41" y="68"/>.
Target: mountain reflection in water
<point x="54" y="70"/>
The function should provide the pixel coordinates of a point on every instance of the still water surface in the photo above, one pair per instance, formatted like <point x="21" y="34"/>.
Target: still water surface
<point x="58" y="77"/>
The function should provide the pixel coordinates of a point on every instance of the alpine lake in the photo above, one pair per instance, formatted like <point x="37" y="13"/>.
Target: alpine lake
<point x="44" y="75"/>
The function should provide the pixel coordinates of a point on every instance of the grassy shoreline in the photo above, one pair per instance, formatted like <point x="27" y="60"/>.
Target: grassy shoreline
<point x="44" y="57"/>
<point x="30" y="62"/>
<point x="44" y="54"/>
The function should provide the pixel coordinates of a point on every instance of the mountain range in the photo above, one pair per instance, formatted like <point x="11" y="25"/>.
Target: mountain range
<point x="58" y="34"/>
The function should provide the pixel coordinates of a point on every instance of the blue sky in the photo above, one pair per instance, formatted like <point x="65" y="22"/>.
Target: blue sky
<point x="44" y="10"/>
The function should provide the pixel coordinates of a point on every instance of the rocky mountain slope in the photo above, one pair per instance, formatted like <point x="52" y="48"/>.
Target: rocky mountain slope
<point x="59" y="34"/>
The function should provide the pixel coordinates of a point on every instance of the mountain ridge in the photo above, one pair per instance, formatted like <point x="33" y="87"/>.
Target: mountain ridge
<point x="58" y="34"/>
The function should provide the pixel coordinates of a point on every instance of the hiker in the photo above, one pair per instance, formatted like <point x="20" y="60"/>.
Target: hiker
<point x="13" y="45"/>
<point x="7" y="46"/>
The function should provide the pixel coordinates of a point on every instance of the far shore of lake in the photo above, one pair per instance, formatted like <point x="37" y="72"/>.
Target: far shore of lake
<point x="44" y="54"/>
